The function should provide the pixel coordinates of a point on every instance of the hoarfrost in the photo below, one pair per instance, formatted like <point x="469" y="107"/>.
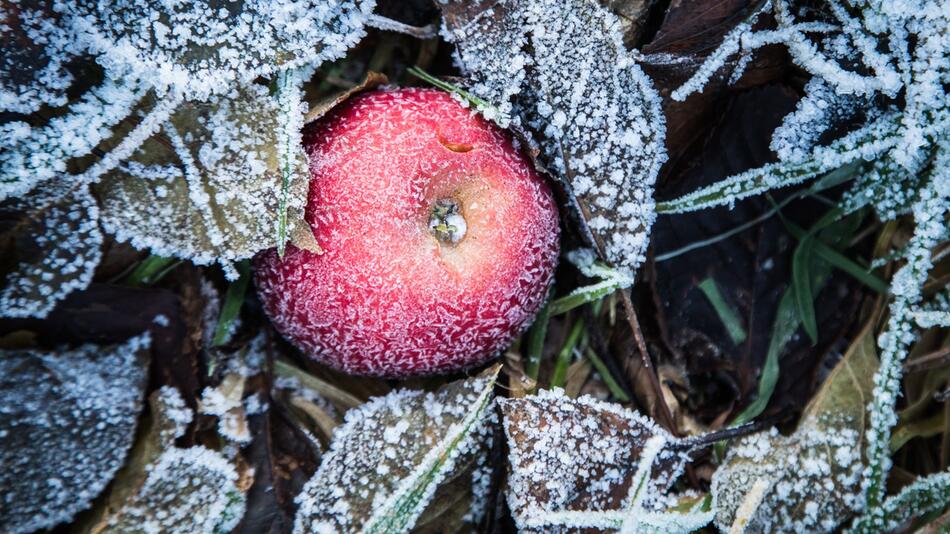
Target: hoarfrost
<point x="32" y="61"/>
<point x="387" y="460"/>
<point x="186" y="491"/>
<point x="68" y="243"/>
<point x="812" y="477"/>
<point x="560" y="69"/>
<point x="196" y="49"/>
<point x="67" y="420"/>
<point x="583" y="463"/>
<point x="208" y="188"/>
<point x="226" y="403"/>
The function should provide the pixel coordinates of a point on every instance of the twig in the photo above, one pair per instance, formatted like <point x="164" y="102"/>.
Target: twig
<point x="647" y="361"/>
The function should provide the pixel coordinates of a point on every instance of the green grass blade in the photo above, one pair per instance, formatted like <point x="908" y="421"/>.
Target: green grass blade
<point x="563" y="360"/>
<point x="233" y="300"/>
<point x="801" y="287"/>
<point x="536" y="337"/>
<point x="725" y="312"/>
<point x="608" y="378"/>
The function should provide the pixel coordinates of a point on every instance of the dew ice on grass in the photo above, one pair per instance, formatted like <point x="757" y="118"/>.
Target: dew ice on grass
<point x="389" y="457"/>
<point x="560" y="69"/>
<point x="67" y="420"/>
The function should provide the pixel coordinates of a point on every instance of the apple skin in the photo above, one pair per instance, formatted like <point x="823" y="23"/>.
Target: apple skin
<point x="388" y="297"/>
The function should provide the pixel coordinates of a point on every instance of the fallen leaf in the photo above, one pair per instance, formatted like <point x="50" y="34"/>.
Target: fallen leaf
<point x="814" y="475"/>
<point x="58" y="224"/>
<point x="67" y="419"/>
<point x="387" y="463"/>
<point x="559" y="69"/>
<point x="208" y="187"/>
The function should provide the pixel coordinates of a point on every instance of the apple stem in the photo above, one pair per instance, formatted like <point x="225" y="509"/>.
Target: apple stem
<point x="446" y="222"/>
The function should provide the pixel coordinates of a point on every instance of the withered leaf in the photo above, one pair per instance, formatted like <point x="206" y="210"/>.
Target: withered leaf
<point x="61" y="223"/>
<point x="388" y="461"/>
<point x="67" y="419"/>
<point x="813" y="476"/>
<point x="207" y="188"/>
<point x="164" y="488"/>
<point x="579" y="464"/>
<point x="559" y="69"/>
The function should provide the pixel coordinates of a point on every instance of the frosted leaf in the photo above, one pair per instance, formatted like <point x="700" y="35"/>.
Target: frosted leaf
<point x="167" y="489"/>
<point x="197" y="48"/>
<point x="63" y="223"/>
<point x="559" y="67"/>
<point x="32" y="60"/>
<point x="67" y="419"/>
<point x="390" y="456"/>
<point x="813" y="477"/>
<point x="186" y="491"/>
<point x="34" y="154"/>
<point x="585" y="463"/>
<point x="226" y="403"/>
<point x="208" y="187"/>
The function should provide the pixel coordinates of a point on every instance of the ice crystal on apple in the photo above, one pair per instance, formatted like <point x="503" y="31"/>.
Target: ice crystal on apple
<point x="559" y="69"/>
<point x="67" y="419"/>
<point x="389" y="457"/>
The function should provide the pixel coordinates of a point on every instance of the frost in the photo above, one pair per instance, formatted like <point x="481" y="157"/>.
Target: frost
<point x="388" y="459"/>
<point x="812" y="477"/>
<point x="32" y="71"/>
<point x="67" y="420"/>
<point x="226" y="403"/>
<point x="197" y="49"/>
<point x="584" y="463"/>
<point x="186" y="491"/>
<point x="208" y="188"/>
<point x="924" y="496"/>
<point x="560" y="69"/>
<point x="68" y="248"/>
<point x="168" y="489"/>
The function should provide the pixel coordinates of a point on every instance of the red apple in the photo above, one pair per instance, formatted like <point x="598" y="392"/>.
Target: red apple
<point x="440" y="239"/>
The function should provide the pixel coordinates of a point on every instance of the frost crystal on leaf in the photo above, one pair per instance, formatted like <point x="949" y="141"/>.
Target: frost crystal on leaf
<point x="560" y="69"/>
<point x="197" y="49"/>
<point x="32" y="59"/>
<point x="582" y="463"/>
<point x="813" y="476"/>
<point x="67" y="420"/>
<point x="187" y="491"/>
<point x="207" y="187"/>
<point x="68" y="244"/>
<point x="388" y="459"/>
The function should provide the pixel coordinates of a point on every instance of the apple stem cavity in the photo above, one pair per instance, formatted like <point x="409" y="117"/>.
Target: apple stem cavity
<point x="446" y="222"/>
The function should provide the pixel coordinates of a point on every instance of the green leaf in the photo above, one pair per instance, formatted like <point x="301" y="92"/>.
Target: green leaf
<point x="231" y="308"/>
<point x="725" y="312"/>
<point x="391" y="456"/>
<point x="801" y="287"/>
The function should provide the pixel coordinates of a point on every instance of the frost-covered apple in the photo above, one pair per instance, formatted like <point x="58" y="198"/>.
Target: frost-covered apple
<point x="440" y="239"/>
